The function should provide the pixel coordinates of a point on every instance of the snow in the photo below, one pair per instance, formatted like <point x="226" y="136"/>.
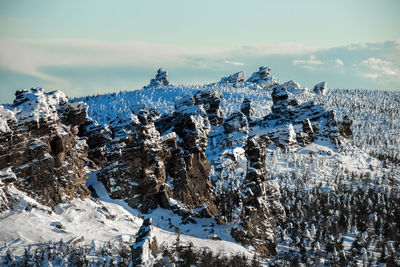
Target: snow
<point x="102" y="220"/>
<point x="376" y="129"/>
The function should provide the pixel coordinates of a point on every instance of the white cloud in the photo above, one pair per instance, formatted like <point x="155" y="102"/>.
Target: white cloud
<point x="234" y="63"/>
<point x="277" y="49"/>
<point x="382" y="68"/>
<point x="309" y="63"/>
<point x="372" y="76"/>
<point x="357" y="46"/>
<point x="28" y="56"/>
<point x="397" y="41"/>
<point x="339" y="62"/>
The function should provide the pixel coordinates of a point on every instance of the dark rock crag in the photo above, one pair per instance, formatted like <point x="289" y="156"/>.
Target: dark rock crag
<point x="261" y="201"/>
<point x="39" y="149"/>
<point x="147" y="168"/>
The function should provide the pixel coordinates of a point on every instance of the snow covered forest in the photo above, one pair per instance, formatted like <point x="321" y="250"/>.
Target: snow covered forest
<point x="341" y="201"/>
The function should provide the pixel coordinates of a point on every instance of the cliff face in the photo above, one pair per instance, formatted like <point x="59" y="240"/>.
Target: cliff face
<point x="40" y="152"/>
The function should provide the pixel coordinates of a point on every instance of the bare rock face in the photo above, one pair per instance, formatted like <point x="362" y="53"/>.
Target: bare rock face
<point x="40" y="146"/>
<point x="97" y="137"/>
<point x="189" y="166"/>
<point x="145" y="249"/>
<point x="262" y="78"/>
<point x="148" y="168"/>
<point x="135" y="167"/>
<point x="261" y="201"/>
<point x="161" y="79"/>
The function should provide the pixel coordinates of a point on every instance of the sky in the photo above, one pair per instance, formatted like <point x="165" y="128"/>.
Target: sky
<point x="91" y="47"/>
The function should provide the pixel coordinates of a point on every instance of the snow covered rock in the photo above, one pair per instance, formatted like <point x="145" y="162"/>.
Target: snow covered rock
<point x="41" y="147"/>
<point x="301" y="122"/>
<point x="190" y="167"/>
<point x="236" y="122"/>
<point x="284" y="136"/>
<point x="345" y="126"/>
<point x="211" y="101"/>
<point x="247" y="108"/>
<point x="261" y="201"/>
<point x="97" y="137"/>
<point x="236" y="79"/>
<point x="134" y="169"/>
<point x="161" y="79"/>
<point x="262" y="78"/>
<point x="138" y="163"/>
<point x="144" y="250"/>
<point x="320" y="88"/>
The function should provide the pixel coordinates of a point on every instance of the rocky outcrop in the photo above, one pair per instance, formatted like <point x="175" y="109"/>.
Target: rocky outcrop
<point x="153" y="166"/>
<point x="211" y="101"/>
<point x="236" y="79"/>
<point x="262" y="78"/>
<point x="190" y="167"/>
<point x="135" y="166"/>
<point x="301" y="123"/>
<point x="247" y="109"/>
<point x="320" y="88"/>
<point x="145" y="249"/>
<point x="97" y="137"/>
<point x="261" y="201"/>
<point x="345" y="127"/>
<point x="236" y="122"/>
<point x="161" y="79"/>
<point x="40" y="148"/>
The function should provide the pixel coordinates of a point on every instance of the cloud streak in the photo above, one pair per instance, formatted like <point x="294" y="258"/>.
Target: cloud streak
<point x="311" y="63"/>
<point x="381" y="68"/>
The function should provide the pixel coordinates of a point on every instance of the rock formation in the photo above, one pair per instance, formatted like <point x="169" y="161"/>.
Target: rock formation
<point x="261" y="201"/>
<point x="139" y="163"/>
<point x="161" y="79"/>
<point x="236" y="79"/>
<point x="40" y="152"/>
<point x="145" y="249"/>
<point x="320" y="88"/>
<point x="247" y="109"/>
<point x="262" y="78"/>
<point x="301" y="123"/>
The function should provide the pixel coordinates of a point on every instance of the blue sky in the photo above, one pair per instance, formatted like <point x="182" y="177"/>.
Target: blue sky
<point x="89" y="47"/>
